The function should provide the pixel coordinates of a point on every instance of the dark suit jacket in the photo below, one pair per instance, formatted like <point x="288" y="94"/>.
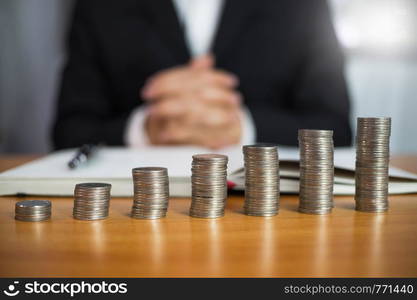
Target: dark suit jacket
<point x="284" y="52"/>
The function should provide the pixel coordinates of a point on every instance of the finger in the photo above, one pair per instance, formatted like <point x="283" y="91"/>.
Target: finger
<point x="220" y="137"/>
<point x="202" y="62"/>
<point x="168" y="85"/>
<point x="153" y="127"/>
<point x="219" y="78"/>
<point x="161" y="78"/>
<point x="175" y="134"/>
<point x="221" y="96"/>
<point x="170" y="108"/>
<point x="188" y="80"/>
<point x="179" y="132"/>
<point x="214" y="118"/>
<point x="210" y="141"/>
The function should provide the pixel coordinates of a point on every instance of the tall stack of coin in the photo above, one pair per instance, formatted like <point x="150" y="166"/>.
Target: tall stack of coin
<point x="150" y="192"/>
<point x="209" y="185"/>
<point x="316" y="171"/>
<point x="91" y="201"/>
<point x="372" y="164"/>
<point x="261" y="180"/>
<point x="33" y="210"/>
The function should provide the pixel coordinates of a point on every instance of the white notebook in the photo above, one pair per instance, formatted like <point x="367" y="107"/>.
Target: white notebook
<point x="51" y="176"/>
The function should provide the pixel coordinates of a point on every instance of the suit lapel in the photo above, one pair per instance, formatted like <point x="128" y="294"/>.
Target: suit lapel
<point x="165" y="21"/>
<point x="235" y="14"/>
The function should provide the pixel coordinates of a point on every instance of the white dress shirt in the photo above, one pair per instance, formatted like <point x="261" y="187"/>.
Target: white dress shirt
<point x="200" y="19"/>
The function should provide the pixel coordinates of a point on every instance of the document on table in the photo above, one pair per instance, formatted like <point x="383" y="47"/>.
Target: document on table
<point x="50" y="175"/>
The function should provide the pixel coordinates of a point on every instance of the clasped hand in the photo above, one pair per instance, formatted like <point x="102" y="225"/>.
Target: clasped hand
<point x="194" y="104"/>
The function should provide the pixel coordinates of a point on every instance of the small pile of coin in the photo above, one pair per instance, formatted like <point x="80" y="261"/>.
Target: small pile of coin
<point x="91" y="201"/>
<point x="33" y="210"/>
<point x="209" y="185"/>
<point x="372" y="164"/>
<point x="261" y="180"/>
<point x="150" y="192"/>
<point x="316" y="171"/>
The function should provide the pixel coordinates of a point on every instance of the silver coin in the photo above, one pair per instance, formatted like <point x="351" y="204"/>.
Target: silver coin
<point x="150" y="192"/>
<point x="372" y="164"/>
<point x="316" y="171"/>
<point x="91" y="201"/>
<point x="261" y="164"/>
<point x="33" y="210"/>
<point x="209" y="185"/>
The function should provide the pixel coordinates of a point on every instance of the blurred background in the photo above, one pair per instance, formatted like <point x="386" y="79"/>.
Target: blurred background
<point x="379" y="39"/>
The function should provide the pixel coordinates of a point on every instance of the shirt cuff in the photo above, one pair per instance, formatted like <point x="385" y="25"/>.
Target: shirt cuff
<point x="135" y="133"/>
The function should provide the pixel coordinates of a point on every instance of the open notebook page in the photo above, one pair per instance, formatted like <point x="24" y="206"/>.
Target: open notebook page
<point x="117" y="162"/>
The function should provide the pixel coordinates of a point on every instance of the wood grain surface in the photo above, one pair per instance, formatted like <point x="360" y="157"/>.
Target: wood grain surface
<point x="344" y="243"/>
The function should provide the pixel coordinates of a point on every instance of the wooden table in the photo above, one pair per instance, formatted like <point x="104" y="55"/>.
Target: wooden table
<point x="344" y="243"/>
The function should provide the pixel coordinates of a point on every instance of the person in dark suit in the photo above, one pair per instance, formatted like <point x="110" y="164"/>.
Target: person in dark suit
<point x="210" y="73"/>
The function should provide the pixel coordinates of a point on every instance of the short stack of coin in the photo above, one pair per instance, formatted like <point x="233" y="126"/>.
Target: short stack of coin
<point x="261" y="180"/>
<point x="91" y="201"/>
<point x="316" y="171"/>
<point x="33" y="210"/>
<point x="209" y="185"/>
<point x="150" y="192"/>
<point x="372" y="164"/>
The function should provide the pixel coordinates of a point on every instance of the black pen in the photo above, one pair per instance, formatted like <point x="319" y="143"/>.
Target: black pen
<point x="83" y="154"/>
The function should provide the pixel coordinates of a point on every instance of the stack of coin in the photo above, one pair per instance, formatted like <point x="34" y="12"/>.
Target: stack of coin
<point x="316" y="171"/>
<point x="91" y="201"/>
<point x="150" y="193"/>
<point x="209" y="185"/>
<point x="33" y="210"/>
<point x="372" y="164"/>
<point x="261" y="180"/>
